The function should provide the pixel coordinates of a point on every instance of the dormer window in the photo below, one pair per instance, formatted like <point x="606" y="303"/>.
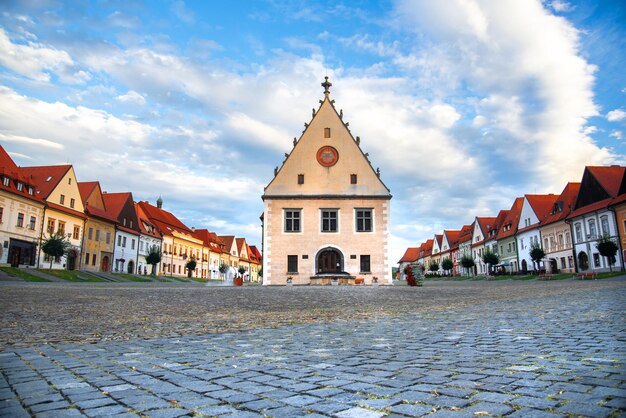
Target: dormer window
<point x="48" y="179"/>
<point x="124" y="222"/>
<point x="6" y="181"/>
<point x="30" y="190"/>
<point x="20" y="186"/>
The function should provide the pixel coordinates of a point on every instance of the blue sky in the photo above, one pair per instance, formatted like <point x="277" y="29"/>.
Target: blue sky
<point x="463" y="104"/>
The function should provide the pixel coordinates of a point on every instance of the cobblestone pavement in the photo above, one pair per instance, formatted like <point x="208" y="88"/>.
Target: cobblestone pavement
<point x="551" y="353"/>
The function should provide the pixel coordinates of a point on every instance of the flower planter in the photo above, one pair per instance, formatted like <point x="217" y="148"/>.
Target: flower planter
<point x="238" y="281"/>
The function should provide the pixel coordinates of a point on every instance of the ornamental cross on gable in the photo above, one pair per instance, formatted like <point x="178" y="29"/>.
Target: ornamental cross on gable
<point x="326" y="84"/>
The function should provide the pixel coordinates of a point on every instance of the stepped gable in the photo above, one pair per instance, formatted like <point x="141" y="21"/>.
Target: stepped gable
<point x="8" y="168"/>
<point x="410" y="255"/>
<point x="563" y="205"/>
<point x="509" y="226"/>
<point x="339" y="155"/>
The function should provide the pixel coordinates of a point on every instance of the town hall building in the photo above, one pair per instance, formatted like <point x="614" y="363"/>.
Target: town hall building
<point x="326" y="211"/>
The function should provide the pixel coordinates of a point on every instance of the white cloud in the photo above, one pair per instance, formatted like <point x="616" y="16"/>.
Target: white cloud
<point x="31" y="60"/>
<point x="617" y="134"/>
<point x="616" y="115"/>
<point x="561" y="6"/>
<point x="132" y="97"/>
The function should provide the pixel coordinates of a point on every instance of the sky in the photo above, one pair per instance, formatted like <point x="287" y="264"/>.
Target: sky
<point x="463" y="104"/>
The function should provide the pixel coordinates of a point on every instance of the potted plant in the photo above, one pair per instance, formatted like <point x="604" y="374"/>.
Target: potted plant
<point x="238" y="279"/>
<point x="289" y="281"/>
<point x="374" y="281"/>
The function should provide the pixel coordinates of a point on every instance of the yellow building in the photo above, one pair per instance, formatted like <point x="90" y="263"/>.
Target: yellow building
<point x="326" y="211"/>
<point x="99" y="237"/>
<point x="63" y="213"/>
<point x="21" y="215"/>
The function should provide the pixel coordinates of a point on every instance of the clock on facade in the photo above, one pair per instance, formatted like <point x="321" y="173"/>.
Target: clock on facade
<point x="327" y="156"/>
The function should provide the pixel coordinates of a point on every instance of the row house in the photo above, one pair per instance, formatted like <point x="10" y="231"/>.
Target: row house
<point x="256" y="262"/>
<point x="450" y="249"/>
<point x="244" y="261"/>
<point x="410" y="257"/>
<point x="63" y="212"/>
<point x="535" y="209"/>
<point x="491" y="236"/>
<point x="505" y="239"/>
<point x="149" y="238"/>
<point x="121" y="207"/>
<point x="465" y="247"/>
<point x="21" y="215"/>
<point x="594" y="216"/>
<point x="482" y="225"/>
<point x="179" y="242"/>
<point x="555" y="232"/>
<point x="436" y="253"/>
<point x="98" y="241"/>
<point x="230" y="257"/>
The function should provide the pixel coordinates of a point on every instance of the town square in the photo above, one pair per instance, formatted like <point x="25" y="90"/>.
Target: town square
<point x="285" y="208"/>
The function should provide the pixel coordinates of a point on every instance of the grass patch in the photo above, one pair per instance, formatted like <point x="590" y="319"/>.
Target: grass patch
<point x="133" y="278"/>
<point x="24" y="275"/>
<point x="608" y="274"/>
<point x="178" y="279"/>
<point x="199" y="280"/>
<point x="73" y="275"/>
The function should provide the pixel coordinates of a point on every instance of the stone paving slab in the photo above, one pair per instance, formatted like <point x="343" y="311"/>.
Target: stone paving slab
<point x="495" y="358"/>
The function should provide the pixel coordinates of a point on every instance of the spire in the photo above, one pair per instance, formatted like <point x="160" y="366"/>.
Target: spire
<point x="159" y="202"/>
<point x="326" y="84"/>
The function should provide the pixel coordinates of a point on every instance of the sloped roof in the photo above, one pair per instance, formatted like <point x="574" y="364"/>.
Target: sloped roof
<point x="241" y="244"/>
<point x="484" y="223"/>
<point x="410" y="255"/>
<point x="563" y="205"/>
<point x="439" y="239"/>
<point x="151" y="229"/>
<point x="427" y="247"/>
<point x="228" y="241"/>
<point x="256" y="252"/>
<point x="542" y="204"/>
<point x="115" y="202"/>
<point x="164" y="220"/>
<point x="251" y="255"/>
<point x="9" y="169"/>
<point x="512" y="219"/>
<point x="609" y="177"/>
<point x="466" y="233"/>
<point x="496" y="224"/>
<point x="46" y="178"/>
<point x="452" y="235"/>
<point x="86" y="188"/>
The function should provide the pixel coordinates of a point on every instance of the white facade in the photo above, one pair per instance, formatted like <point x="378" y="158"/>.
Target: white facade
<point x="586" y="230"/>
<point x="527" y="237"/>
<point x="145" y="243"/>
<point x="125" y="252"/>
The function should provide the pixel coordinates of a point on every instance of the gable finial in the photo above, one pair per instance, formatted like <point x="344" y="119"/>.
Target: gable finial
<point x="326" y="84"/>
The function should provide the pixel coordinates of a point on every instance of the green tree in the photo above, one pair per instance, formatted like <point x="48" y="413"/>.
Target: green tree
<point x="434" y="266"/>
<point x="467" y="262"/>
<point x="490" y="258"/>
<point x="607" y="248"/>
<point x="447" y="264"/>
<point x="242" y="270"/>
<point x="191" y="265"/>
<point x="536" y="254"/>
<point x="153" y="258"/>
<point x="56" y="246"/>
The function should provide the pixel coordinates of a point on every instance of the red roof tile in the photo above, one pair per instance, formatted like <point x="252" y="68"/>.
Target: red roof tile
<point x="241" y="244"/>
<point x="563" y="204"/>
<point x="46" y="178"/>
<point x="228" y="242"/>
<point x="466" y="233"/>
<point x="66" y="210"/>
<point x="609" y="177"/>
<point x="452" y="237"/>
<point x="512" y="220"/>
<point x="410" y="255"/>
<point x="541" y="204"/>
<point x="256" y="251"/>
<point x="9" y="169"/>
<point x="439" y="239"/>
<point x="86" y="188"/>
<point x="164" y="220"/>
<point x="492" y="231"/>
<point x="484" y="223"/>
<point x="145" y="226"/>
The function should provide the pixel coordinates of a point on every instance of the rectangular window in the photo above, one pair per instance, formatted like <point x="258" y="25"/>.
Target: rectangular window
<point x="97" y="235"/>
<point x="132" y="244"/>
<point x="326" y="132"/>
<point x="30" y="190"/>
<point x="596" y="259"/>
<point x="292" y="220"/>
<point x="20" y="186"/>
<point x="1" y="212"/>
<point x="20" y="219"/>
<point x="119" y="240"/>
<point x="6" y="181"/>
<point x="76" y="234"/>
<point x="62" y="199"/>
<point x="579" y="234"/>
<point x="140" y="245"/>
<point x="86" y="258"/>
<point x="33" y="221"/>
<point x="563" y="265"/>
<point x="292" y="264"/>
<point x="124" y="242"/>
<point x="72" y="203"/>
<point x="365" y="264"/>
<point x="93" y="260"/>
<point x="50" y="227"/>
<point x="90" y="233"/>
<point x="108" y="237"/>
<point x="364" y="220"/>
<point x="353" y="178"/>
<point x="604" y="224"/>
<point x="329" y="220"/>
<point x="61" y="228"/>
<point x="300" y="178"/>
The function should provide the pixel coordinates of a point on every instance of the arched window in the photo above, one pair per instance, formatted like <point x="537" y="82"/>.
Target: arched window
<point x="592" y="228"/>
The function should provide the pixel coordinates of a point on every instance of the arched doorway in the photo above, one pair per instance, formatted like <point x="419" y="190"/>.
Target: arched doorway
<point x="553" y="266"/>
<point x="329" y="260"/>
<point x="524" y="266"/>
<point x="583" y="261"/>
<point x="71" y="260"/>
<point x="131" y="267"/>
<point x="105" y="264"/>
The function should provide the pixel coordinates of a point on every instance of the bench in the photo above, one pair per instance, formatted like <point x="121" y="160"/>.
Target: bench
<point x="584" y="276"/>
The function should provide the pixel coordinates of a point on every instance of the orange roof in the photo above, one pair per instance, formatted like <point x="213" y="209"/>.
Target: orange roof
<point x="426" y="248"/>
<point x="252" y="257"/>
<point x="86" y="188"/>
<point x="46" y="178"/>
<point x="9" y="169"/>
<point x="563" y="204"/>
<point x="466" y="233"/>
<point x="541" y="204"/>
<point x="164" y="220"/>
<point x="410" y="255"/>
<point x="492" y="231"/>
<point x="241" y="244"/>
<point x="210" y="240"/>
<point x="114" y="202"/>
<point x="145" y="226"/>
<point x="257" y="253"/>
<point x="452" y="237"/>
<point x="439" y="239"/>
<point x="611" y="178"/>
<point x="512" y="220"/>
<point x="485" y="224"/>
<point x="228" y="242"/>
